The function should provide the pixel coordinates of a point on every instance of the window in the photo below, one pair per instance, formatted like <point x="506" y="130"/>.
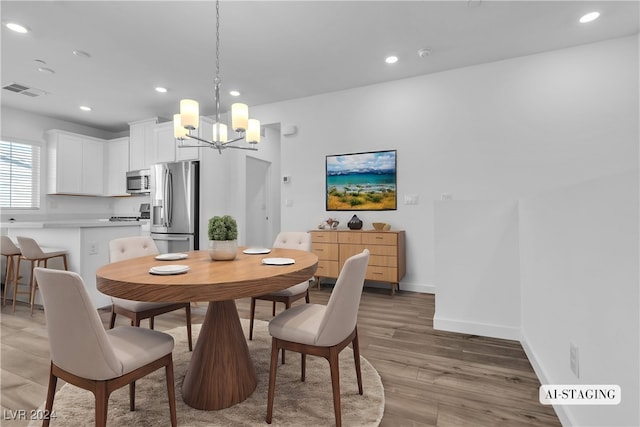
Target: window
<point x="19" y="175"/>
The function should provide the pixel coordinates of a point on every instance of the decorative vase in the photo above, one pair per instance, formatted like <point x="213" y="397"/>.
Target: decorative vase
<point x="223" y="250"/>
<point x="354" y="223"/>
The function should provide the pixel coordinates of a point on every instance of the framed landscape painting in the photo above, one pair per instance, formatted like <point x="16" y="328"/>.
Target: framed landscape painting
<point x="361" y="181"/>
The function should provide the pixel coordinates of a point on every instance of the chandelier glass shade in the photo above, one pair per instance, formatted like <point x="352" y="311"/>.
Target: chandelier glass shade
<point x="188" y="120"/>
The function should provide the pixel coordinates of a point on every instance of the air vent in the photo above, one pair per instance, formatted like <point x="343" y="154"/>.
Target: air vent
<point x="24" y="90"/>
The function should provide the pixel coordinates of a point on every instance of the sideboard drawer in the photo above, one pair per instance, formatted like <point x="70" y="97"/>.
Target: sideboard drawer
<point x="379" y="238"/>
<point x="327" y="268"/>
<point x="349" y="237"/>
<point x="325" y="251"/>
<point x="324" y="237"/>
<point x="382" y="274"/>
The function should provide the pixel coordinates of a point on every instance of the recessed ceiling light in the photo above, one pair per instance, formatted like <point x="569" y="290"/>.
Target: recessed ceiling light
<point x="234" y="93"/>
<point x="85" y="108"/>
<point x="161" y="89"/>
<point x="589" y="17"/>
<point x="17" y="28"/>
<point x="46" y="70"/>
<point x="391" y="59"/>
<point x="82" y="54"/>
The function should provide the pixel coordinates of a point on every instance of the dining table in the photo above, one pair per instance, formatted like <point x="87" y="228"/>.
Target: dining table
<point x="220" y="372"/>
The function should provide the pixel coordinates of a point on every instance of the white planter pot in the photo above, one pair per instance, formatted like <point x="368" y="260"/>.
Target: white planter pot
<point x="223" y="250"/>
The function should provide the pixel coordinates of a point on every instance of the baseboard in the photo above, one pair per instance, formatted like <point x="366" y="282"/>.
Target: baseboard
<point x="561" y="410"/>
<point x="475" y="328"/>
<point x="411" y="287"/>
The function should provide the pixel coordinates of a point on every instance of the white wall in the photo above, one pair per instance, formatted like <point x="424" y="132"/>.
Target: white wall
<point x="579" y="272"/>
<point x="497" y="131"/>
<point x="477" y="268"/>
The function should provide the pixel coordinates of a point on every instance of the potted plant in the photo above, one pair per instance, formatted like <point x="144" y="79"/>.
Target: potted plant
<point x="223" y="238"/>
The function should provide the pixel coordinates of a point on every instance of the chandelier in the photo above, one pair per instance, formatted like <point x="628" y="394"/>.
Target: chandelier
<point x="188" y="120"/>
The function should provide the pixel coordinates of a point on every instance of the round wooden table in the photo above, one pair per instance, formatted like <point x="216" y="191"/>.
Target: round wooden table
<point x="220" y="372"/>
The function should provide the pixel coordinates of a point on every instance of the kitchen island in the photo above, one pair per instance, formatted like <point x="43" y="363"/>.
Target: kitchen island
<point x="87" y="241"/>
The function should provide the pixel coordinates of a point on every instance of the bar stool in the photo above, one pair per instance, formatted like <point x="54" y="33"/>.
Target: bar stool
<point x="33" y="252"/>
<point x="12" y="252"/>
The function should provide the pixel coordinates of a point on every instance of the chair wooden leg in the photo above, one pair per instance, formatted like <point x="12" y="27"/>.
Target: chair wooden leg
<point x="132" y="396"/>
<point x="356" y="358"/>
<point x="15" y="286"/>
<point x="171" y="391"/>
<point x="64" y="261"/>
<point x="306" y="297"/>
<point x="102" y="403"/>
<point x="251" y="317"/>
<point x="51" y="392"/>
<point x="272" y="379"/>
<point x="273" y="309"/>
<point x="188" y="314"/>
<point x="32" y="286"/>
<point x="6" y="279"/>
<point x="335" y="384"/>
<point x="112" y="322"/>
<point x="303" y="367"/>
<point x="287" y="305"/>
<point x="150" y="322"/>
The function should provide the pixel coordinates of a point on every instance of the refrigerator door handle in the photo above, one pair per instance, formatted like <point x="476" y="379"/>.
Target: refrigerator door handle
<point x="165" y="182"/>
<point x="170" y="198"/>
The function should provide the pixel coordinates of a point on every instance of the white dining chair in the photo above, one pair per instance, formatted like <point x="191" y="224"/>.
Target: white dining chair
<point x="87" y="356"/>
<point x="131" y="247"/>
<point x="289" y="240"/>
<point x="38" y="255"/>
<point x="321" y="330"/>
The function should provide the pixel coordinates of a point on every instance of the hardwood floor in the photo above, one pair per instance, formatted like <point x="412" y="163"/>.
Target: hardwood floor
<point x="431" y="378"/>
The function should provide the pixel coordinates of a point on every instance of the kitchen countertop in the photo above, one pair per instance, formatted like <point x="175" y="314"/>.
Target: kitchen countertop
<point x="71" y="223"/>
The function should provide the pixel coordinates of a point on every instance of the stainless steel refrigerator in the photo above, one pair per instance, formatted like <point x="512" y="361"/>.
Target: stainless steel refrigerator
<point x="175" y="189"/>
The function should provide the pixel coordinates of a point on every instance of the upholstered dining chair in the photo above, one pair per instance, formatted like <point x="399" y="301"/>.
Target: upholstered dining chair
<point x="38" y="255"/>
<point x="84" y="354"/>
<point x="321" y="330"/>
<point x="131" y="247"/>
<point x="12" y="266"/>
<point x="289" y="240"/>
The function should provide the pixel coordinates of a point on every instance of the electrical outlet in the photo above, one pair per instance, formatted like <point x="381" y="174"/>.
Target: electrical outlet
<point x="574" y="361"/>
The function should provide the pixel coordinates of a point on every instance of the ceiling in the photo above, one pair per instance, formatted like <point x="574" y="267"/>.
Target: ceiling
<point x="270" y="50"/>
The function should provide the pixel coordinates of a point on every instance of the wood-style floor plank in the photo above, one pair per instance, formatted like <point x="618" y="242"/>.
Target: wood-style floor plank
<point x="431" y="378"/>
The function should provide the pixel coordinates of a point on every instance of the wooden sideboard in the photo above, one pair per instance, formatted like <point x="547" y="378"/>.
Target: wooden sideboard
<point x="387" y="260"/>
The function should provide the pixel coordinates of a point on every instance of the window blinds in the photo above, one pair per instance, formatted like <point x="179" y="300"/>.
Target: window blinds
<point x="19" y="175"/>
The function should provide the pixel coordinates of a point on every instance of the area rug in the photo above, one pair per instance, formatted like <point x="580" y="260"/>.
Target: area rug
<point x="296" y="403"/>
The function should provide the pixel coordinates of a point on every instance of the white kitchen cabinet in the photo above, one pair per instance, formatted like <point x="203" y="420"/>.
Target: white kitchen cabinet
<point x="164" y="143"/>
<point x="142" y="153"/>
<point x="116" y="166"/>
<point x="75" y="164"/>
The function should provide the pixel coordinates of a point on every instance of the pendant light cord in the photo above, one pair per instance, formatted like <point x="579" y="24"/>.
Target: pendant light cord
<point x="217" y="80"/>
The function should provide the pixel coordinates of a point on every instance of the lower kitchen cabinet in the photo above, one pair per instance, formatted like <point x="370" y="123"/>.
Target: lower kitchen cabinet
<point x="387" y="258"/>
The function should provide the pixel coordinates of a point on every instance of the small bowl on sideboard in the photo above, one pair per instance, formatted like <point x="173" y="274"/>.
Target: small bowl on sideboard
<point x="381" y="226"/>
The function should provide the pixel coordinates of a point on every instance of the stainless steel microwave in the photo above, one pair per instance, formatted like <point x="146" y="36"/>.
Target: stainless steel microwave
<point x="138" y="181"/>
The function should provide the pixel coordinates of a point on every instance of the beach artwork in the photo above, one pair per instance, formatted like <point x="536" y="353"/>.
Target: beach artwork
<point x="361" y="181"/>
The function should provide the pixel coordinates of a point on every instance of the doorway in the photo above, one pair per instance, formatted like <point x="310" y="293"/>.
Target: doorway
<point x="258" y="206"/>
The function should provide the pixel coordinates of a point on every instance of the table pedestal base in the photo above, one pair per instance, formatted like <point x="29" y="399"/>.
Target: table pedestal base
<point x="220" y="372"/>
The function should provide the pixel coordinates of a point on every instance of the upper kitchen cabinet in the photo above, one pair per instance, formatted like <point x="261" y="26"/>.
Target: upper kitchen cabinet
<point x="164" y="143"/>
<point x="142" y="152"/>
<point x="75" y="164"/>
<point x="116" y="166"/>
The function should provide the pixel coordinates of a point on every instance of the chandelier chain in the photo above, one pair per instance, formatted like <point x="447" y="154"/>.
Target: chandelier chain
<point x="217" y="41"/>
